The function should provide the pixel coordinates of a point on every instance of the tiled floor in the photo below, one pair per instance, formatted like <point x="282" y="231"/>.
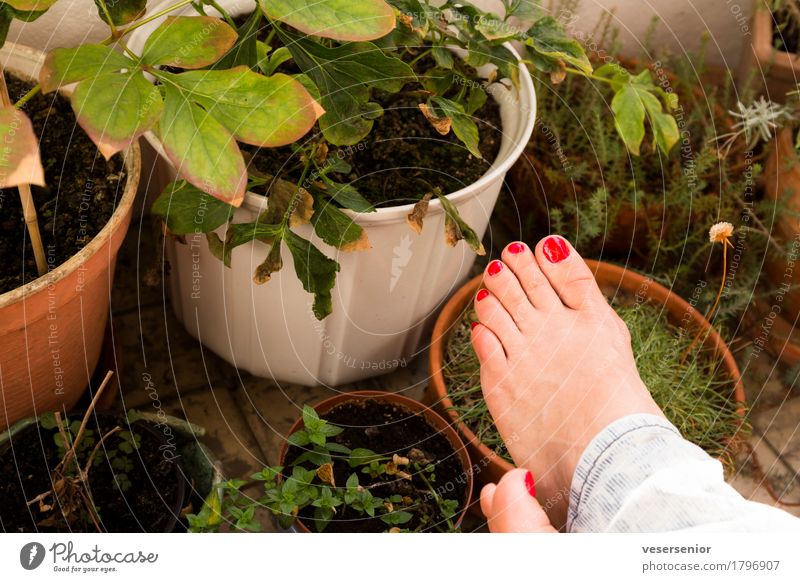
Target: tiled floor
<point x="246" y="417"/>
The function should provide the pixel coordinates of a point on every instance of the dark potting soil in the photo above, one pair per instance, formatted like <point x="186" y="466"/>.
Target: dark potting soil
<point x="147" y="505"/>
<point x="785" y="36"/>
<point x="403" y="157"/>
<point x="387" y="429"/>
<point x="81" y="194"/>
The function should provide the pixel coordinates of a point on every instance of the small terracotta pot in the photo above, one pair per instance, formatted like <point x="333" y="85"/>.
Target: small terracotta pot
<point x="52" y="328"/>
<point x="613" y="280"/>
<point x="433" y="419"/>
<point x="772" y="72"/>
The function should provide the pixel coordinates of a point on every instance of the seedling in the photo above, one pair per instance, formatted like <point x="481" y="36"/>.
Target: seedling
<point x="310" y="483"/>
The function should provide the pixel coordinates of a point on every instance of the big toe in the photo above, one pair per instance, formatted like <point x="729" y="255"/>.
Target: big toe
<point x="568" y="274"/>
<point x="511" y="507"/>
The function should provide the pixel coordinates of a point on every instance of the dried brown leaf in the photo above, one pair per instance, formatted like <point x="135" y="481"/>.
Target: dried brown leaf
<point x="325" y="474"/>
<point x="417" y="215"/>
<point x="440" y="124"/>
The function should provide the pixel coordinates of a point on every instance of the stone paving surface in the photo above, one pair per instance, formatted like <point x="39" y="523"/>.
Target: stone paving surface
<point x="246" y="417"/>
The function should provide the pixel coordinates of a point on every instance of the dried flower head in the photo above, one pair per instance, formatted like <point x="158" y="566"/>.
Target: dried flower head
<point x="720" y="232"/>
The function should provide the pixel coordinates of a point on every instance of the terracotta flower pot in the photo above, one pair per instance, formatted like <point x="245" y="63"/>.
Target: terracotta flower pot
<point x="613" y="280"/>
<point x="433" y="419"/>
<point x="52" y="328"/>
<point x="770" y="71"/>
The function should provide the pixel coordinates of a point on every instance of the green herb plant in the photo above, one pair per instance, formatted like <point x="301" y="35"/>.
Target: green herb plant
<point x="309" y="482"/>
<point x="695" y="395"/>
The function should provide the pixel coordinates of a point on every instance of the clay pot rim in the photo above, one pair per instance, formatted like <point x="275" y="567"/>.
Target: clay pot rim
<point x="762" y="41"/>
<point x="133" y="165"/>
<point x="625" y="280"/>
<point x="433" y="418"/>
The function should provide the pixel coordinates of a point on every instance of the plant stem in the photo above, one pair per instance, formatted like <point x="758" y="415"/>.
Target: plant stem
<point x="143" y="21"/>
<point x="26" y="198"/>
<point x="421" y="55"/>
<point x="710" y="312"/>
<point x="223" y="12"/>
<point x="28" y="96"/>
<point x="109" y="20"/>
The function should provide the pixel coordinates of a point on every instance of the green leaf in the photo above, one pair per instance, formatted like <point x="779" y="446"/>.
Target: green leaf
<point x="115" y="109"/>
<point x="548" y="39"/>
<point x="665" y="128"/>
<point x="48" y="420"/>
<point x="30" y="5"/>
<point x="629" y="117"/>
<point x="316" y="272"/>
<point x="462" y="124"/>
<point x="63" y="66"/>
<point x="263" y="111"/>
<point x="347" y="196"/>
<point x="188" y="42"/>
<point x="456" y="229"/>
<point x="20" y="162"/>
<point x="360" y="457"/>
<point x="344" y="76"/>
<point x="336" y="19"/>
<point x="121" y="11"/>
<point x="279" y="56"/>
<point x="396" y="517"/>
<point x="310" y="417"/>
<point x="245" y="232"/>
<point x="187" y="209"/>
<point x="299" y="438"/>
<point x="336" y="228"/>
<point x="202" y="149"/>
<point x="443" y="57"/>
<point x="245" y="51"/>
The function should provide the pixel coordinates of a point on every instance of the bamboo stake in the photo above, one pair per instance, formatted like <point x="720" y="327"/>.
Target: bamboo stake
<point x="25" y="196"/>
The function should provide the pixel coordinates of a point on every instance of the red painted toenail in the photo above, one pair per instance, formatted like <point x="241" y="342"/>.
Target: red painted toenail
<point x="516" y="248"/>
<point x="474" y="324"/>
<point x="482" y="294"/>
<point x="494" y="268"/>
<point x="530" y="485"/>
<point x="555" y="249"/>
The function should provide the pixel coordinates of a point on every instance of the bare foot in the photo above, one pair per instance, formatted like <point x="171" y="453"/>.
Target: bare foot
<point x="556" y="362"/>
<point x="511" y="506"/>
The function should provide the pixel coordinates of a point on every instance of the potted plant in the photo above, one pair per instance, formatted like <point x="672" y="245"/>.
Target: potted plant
<point x="643" y="210"/>
<point x="357" y="462"/>
<point x="386" y="79"/>
<point x="65" y="212"/>
<point x="102" y="471"/>
<point x="769" y="62"/>
<point x="681" y="358"/>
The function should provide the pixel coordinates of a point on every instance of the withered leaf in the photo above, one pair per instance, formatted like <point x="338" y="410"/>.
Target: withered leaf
<point x="281" y="195"/>
<point x="272" y="264"/>
<point x="417" y="215"/>
<point x="325" y="474"/>
<point x="440" y="124"/>
<point x="400" y="461"/>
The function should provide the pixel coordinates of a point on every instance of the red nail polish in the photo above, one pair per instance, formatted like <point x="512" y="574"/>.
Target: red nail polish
<point x="555" y="249"/>
<point x="529" y="484"/>
<point x="482" y="294"/>
<point x="494" y="268"/>
<point x="474" y="324"/>
<point x="516" y="248"/>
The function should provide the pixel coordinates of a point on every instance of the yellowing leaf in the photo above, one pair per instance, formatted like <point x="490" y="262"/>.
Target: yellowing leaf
<point x="189" y="42"/>
<point x="63" y="66"/>
<point x="115" y="109"/>
<point x="336" y="19"/>
<point x="19" y="150"/>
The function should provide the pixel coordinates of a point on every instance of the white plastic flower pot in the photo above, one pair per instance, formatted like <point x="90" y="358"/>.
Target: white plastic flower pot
<point x="384" y="297"/>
